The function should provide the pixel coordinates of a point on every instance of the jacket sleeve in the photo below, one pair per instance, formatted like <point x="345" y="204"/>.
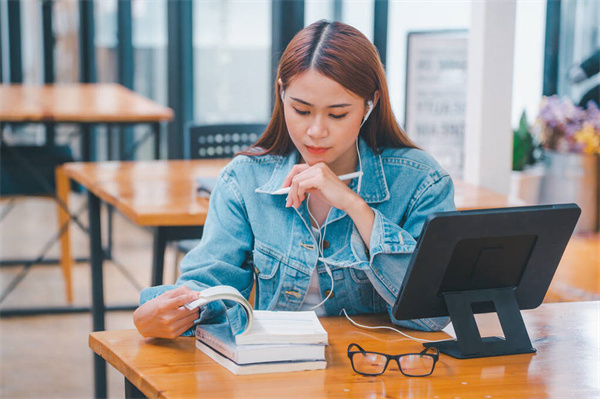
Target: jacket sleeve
<point x="221" y="257"/>
<point x="392" y="245"/>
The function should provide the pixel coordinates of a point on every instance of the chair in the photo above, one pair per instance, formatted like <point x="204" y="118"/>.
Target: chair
<point x="220" y="141"/>
<point x="216" y="141"/>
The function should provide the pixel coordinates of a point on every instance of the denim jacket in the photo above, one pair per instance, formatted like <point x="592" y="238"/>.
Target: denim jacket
<point x="250" y="235"/>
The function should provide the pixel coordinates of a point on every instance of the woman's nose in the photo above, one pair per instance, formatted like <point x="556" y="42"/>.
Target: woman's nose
<point x="317" y="129"/>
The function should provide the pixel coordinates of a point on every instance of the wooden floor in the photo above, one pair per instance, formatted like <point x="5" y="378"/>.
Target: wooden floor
<point x="48" y="356"/>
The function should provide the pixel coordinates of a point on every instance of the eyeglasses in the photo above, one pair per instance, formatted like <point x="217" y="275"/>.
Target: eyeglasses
<point x="410" y="364"/>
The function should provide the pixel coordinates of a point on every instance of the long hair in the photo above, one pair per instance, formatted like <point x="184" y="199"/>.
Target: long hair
<point x="343" y="54"/>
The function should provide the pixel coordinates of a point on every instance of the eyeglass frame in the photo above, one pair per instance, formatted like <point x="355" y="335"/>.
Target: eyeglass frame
<point x="435" y="356"/>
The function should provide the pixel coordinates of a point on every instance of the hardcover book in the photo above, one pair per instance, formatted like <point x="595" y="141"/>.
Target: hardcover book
<point x="267" y="327"/>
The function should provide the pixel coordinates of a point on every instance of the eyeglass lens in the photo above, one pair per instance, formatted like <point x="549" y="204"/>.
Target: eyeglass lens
<point x="369" y="363"/>
<point x="415" y="365"/>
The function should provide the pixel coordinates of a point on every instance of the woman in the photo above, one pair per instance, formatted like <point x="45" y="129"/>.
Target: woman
<point x="330" y="244"/>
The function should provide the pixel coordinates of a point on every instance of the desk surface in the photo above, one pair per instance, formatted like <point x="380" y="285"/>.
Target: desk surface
<point x="566" y="365"/>
<point x="94" y="102"/>
<point x="153" y="193"/>
<point x="150" y="193"/>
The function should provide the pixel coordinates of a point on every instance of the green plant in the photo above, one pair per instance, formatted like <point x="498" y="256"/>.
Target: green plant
<point x="523" y="145"/>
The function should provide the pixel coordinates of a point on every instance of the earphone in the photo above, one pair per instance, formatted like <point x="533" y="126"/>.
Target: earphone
<point x="370" y="104"/>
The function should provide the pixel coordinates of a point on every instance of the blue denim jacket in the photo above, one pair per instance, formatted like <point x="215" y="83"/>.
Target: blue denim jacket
<point x="250" y="233"/>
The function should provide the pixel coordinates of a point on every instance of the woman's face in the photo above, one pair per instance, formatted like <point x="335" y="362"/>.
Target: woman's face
<point x="323" y="119"/>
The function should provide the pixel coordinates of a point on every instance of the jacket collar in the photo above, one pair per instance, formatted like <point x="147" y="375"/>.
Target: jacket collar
<point x="374" y="186"/>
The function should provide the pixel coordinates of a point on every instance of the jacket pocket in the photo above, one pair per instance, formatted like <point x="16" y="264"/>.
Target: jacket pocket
<point x="267" y="267"/>
<point x="266" y="261"/>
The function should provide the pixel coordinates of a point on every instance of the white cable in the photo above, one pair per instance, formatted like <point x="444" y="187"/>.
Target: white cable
<point x="320" y="252"/>
<point x="359" y="169"/>
<point x="391" y="328"/>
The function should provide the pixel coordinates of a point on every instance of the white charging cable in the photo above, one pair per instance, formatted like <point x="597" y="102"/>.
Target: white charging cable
<point x="321" y="255"/>
<point x="391" y="328"/>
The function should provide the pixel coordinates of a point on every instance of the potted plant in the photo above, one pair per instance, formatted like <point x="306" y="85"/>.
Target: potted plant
<point x="527" y="173"/>
<point x="570" y="137"/>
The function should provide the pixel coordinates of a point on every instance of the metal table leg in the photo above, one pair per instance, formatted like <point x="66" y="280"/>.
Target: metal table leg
<point x="156" y="127"/>
<point x="158" y="255"/>
<point x="131" y="391"/>
<point x="97" y="290"/>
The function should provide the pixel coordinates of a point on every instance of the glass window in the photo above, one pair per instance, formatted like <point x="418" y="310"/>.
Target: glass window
<point x="528" y="63"/>
<point x="359" y="14"/>
<point x="579" y="41"/>
<point x="315" y="10"/>
<point x="232" y="61"/>
<point x="149" y="31"/>
<point x="105" y="40"/>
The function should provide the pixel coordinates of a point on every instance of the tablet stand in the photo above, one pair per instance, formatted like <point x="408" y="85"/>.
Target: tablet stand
<point x="468" y="343"/>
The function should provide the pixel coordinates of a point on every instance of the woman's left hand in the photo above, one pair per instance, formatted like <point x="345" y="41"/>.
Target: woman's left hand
<point x="318" y="179"/>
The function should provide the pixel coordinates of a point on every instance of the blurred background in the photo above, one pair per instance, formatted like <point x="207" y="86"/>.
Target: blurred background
<point x="503" y="93"/>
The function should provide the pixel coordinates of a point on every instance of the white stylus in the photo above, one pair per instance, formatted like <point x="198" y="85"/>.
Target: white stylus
<point x="348" y="176"/>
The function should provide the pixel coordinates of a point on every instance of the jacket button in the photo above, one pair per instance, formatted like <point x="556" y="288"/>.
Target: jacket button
<point x="326" y="293"/>
<point x="325" y="244"/>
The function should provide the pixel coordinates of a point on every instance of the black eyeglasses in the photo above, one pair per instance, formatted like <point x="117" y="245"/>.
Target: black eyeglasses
<point x="410" y="364"/>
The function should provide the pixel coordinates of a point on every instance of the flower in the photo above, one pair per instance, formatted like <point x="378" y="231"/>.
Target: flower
<point x="566" y="127"/>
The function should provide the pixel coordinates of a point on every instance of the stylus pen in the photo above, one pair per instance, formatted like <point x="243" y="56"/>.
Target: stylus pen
<point x="348" y="176"/>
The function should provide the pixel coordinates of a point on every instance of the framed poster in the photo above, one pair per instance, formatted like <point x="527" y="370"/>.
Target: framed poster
<point x="436" y="91"/>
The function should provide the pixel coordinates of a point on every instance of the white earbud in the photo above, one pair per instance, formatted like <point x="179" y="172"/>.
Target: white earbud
<point x="370" y="104"/>
<point x="282" y="94"/>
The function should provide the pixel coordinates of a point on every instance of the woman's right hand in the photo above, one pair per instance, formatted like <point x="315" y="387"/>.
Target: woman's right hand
<point x="165" y="316"/>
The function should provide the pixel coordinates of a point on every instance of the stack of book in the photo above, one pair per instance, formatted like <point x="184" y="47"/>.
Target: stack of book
<point x="272" y="341"/>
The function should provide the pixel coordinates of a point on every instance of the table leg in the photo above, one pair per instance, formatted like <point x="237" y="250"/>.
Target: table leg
<point x="96" y="260"/>
<point x="131" y="391"/>
<point x="158" y="255"/>
<point x="66" y="262"/>
<point x="156" y="127"/>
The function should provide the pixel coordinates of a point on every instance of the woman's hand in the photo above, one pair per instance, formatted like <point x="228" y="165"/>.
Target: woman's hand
<point x="318" y="179"/>
<point x="165" y="316"/>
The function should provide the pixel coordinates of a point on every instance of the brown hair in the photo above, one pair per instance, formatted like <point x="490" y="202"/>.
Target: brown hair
<point x="345" y="55"/>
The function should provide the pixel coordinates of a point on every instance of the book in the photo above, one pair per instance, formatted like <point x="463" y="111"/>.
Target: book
<point x="259" y="368"/>
<point x="267" y="327"/>
<point x="220" y="338"/>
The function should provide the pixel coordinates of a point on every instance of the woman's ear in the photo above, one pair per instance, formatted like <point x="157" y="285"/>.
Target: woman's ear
<point x="281" y="90"/>
<point x="376" y="97"/>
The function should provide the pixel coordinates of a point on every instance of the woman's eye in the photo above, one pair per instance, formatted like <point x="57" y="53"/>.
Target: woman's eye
<point x="301" y="112"/>
<point x="338" y="116"/>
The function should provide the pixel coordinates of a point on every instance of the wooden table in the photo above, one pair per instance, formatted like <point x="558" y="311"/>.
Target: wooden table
<point x="566" y="365"/>
<point x="83" y="104"/>
<point x="161" y="194"/>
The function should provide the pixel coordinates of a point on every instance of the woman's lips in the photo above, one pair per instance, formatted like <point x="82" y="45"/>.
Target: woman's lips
<point x="317" y="150"/>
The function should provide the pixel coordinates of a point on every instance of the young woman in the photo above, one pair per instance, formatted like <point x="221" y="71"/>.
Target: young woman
<point x="330" y="244"/>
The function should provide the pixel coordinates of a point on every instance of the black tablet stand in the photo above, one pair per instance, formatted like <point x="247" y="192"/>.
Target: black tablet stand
<point x="469" y="343"/>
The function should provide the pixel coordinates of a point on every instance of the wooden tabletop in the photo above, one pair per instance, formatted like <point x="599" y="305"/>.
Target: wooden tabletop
<point x="153" y="193"/>
<point x="150" y="193"/>
<point x="566" y="336"/>
<point x="91" y="103"/>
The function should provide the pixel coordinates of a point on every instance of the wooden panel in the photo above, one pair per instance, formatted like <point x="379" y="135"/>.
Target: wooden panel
<point x="566" y="336"/>
<point x="94" y="102"/>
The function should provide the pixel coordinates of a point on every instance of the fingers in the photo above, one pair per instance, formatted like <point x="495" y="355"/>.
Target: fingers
<point x="179" y="297"/>
<point x="297" y="169"/>
<point x="184" y="324"/>
<point x="304" y="182"/>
